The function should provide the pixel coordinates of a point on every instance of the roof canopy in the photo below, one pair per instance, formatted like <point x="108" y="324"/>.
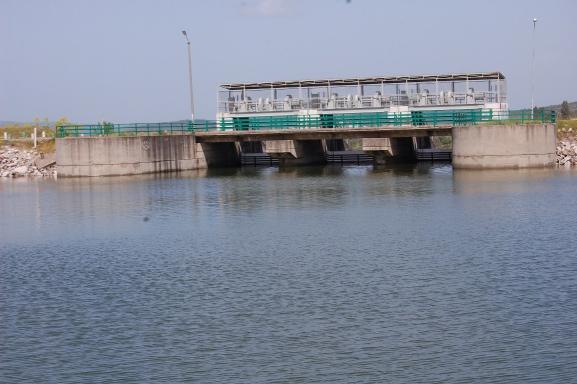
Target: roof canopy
<point x="365" y="81"/>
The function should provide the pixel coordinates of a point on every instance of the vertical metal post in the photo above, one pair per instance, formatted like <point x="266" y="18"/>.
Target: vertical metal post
<point x="533" y="71"/>
<point x="190" y="75"/>
<point x="499" y="90"/>
<point x="300" y="93"/>
<point x="407" y="91"/>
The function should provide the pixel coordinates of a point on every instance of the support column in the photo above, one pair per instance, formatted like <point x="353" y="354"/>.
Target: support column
<point x="387" y="150"/>
<point x="296" y="152"/>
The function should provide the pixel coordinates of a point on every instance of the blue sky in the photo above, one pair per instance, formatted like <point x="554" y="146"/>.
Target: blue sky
<point x="125" y="61"/>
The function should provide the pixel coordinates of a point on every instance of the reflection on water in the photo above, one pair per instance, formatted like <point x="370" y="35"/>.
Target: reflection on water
<point x="401" y="274"/>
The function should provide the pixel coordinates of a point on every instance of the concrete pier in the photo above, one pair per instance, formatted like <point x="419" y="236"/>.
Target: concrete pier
<point x="389" y="149"/>
<point x="379" y="148"/>
<point x="296" y="152"/>
<point x="504" y="146"/>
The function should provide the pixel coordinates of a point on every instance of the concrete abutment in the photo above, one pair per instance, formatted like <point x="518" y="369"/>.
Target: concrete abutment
<point x="133" y="155"/>
<point x="504" y="146"/>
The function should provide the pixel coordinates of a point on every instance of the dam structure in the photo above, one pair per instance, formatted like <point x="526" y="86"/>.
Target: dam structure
<point x="302" y="122"/>
<point x="372" y="101"/>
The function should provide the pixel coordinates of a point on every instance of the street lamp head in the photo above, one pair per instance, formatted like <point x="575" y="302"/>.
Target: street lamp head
<point x="184" y="32"/>
<point x="534" y="20"/>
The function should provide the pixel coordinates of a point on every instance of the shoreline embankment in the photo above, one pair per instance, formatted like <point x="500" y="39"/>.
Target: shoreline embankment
<point x="567" y="152"/>
<point x="22" y="162"/>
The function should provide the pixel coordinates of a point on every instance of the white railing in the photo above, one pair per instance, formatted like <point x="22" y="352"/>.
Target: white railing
<point x="376" y="101"/>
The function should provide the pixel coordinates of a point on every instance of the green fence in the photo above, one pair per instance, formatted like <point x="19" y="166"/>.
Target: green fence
<point x="326" y="120"/>
<point x="109" y="129"/>
<point x="384" y="119"/>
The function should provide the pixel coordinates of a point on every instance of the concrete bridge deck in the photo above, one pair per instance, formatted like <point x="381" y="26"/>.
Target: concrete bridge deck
<point x="322" y="133"/>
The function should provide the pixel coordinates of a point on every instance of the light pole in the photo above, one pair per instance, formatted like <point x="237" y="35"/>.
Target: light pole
<point x="189" y="76"/>
<point x="533" y="72"/>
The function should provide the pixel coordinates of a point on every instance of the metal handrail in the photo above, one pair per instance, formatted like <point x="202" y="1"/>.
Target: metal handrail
<point x="328" y="120"/>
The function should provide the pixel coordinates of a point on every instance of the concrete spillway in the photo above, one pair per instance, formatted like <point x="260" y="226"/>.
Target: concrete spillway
<point x="474" y="146"/>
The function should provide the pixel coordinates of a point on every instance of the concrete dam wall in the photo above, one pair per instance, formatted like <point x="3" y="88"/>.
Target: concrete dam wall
<point x="133" y="155"/>
<point x="474" y="146"/>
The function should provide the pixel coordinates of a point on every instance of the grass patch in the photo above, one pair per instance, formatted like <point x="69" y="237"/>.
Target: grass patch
<point x="442" y="142"/>
<point x="44" y="146"/>
<point x="567" y="129"/>
<point x="47" y="146"/>
<point x="23" y="131"/>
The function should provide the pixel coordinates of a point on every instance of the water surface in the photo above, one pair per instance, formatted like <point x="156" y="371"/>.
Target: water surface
<point x="411" y="274"/>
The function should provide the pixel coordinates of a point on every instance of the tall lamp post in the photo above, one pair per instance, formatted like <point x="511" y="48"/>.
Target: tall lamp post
<point x="533" y="72"/>
<point x="189" y="76"/>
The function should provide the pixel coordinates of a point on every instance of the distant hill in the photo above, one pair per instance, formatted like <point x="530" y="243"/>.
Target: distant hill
<point x="557" y="108"/>
<point x="51" y="123"/>
<point x="6" y="122"/>
<point x="9" y="122"/>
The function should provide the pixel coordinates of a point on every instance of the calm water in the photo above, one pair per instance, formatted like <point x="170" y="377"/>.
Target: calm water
<point x="314" y="275"/>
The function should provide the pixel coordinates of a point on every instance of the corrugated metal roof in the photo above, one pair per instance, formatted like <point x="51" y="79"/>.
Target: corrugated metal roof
<point x="366" y="81"/>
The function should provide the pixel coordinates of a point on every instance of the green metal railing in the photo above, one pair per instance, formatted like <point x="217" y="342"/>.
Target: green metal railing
<point x="384" y="119"/>
<point x="109" y="129"/>
<point x="328" y="120"/>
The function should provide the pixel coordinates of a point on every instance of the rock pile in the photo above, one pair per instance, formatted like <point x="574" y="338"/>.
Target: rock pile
<point x="567" y="153"/>
<point x="16" y="162"/>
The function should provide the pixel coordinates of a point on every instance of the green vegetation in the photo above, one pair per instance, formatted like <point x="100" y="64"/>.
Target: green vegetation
<point x="442" y="142"/>
<point x="567" y="129"/>
<point x="571" y="106"/>
<point x="44" y="146"/>
<point x="565" y="112"/>
<point x="22" y="131"/>
<point x="20" y="134"/>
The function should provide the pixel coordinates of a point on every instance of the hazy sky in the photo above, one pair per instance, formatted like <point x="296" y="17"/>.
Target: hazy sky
<point x="125" y="61"/>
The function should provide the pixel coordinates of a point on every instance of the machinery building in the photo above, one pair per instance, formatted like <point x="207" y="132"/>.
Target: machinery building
<point x="337" y="102"/>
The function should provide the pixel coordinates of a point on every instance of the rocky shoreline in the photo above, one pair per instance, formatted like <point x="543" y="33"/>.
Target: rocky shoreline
<point x="15" y="162"/>
<point x="567" y="152"/>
